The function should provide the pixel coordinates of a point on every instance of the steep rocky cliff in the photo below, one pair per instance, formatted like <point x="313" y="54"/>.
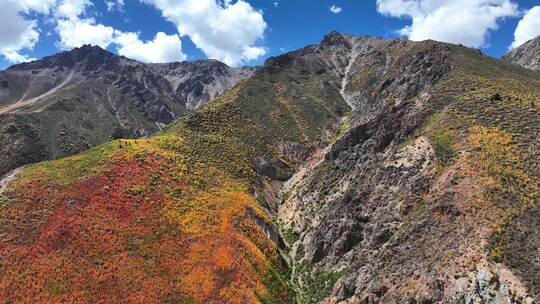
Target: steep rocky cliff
<point x="526" y="55"/>
<point x="71" y="101"/>
<point x="358" y="170"/>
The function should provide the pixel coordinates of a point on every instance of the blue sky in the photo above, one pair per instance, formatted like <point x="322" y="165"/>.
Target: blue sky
<point x="246" y="32"/>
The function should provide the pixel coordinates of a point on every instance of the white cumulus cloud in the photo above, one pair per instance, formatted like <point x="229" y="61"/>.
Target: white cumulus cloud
<point x="528" y="27"/>
<point x="335" y="9"/>
<point x="77" y="32"/>
<point x="224" y="30"/>
<point x="164" y="48"/>
<point x="17" y="32"/>
<point x="20" y="32"/>
<point x="227" y="30"/>
<point x="39" y="6"/>
<point x="15" y="57"/>
<point x="114" y="5"/>
<point x="468" y="22"/>
<point x="72" y="9"/>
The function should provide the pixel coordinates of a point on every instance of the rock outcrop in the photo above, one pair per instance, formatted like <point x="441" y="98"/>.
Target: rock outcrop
<point x="526" y="55"/>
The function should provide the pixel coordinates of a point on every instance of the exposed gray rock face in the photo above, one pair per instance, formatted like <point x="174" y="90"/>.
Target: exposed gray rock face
<point x="526" y="55"/>
<point x="74" y="100"/>
<point x="369" y="219"/>
<point x="194" y="83"/>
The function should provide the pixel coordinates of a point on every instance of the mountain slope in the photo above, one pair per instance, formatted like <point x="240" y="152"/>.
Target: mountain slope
<point x="184" y="225"/>
<point x="429" y="194"/>
<point x="71" y="101"/>
<point x="359" y="170"/>
<point x="526" y="55"/>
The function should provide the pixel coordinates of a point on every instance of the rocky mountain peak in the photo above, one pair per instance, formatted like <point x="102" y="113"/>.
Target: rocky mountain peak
<point x="526" y="55"/>
<point x="334" y="38"/>
<point x="332" y="45"/>
<point x="89" y="51"/>
<point x="87" y="57"/>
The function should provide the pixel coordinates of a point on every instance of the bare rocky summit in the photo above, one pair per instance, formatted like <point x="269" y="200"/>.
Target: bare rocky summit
<point x="526" y="55"/>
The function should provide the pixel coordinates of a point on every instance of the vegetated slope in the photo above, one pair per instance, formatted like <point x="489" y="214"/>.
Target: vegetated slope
<point x="74" y="100"/>
<point x="172" y="218"/>
<point x="432" y="195"/>
<point x="426" y="192"/>
<point x="526" y="55"/>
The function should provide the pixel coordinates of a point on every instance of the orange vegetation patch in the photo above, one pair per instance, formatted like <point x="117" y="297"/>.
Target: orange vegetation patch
<point x="134" y="233"/>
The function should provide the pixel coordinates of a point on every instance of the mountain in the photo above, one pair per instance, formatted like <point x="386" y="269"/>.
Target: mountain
<point x="432" y="193"/>
<point x="72" y="101"/>
<point x="357" y="170"/>
<point x="526" y="55"/>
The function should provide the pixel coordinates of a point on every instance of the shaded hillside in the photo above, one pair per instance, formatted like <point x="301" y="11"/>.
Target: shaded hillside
<point x="277" y="192"/>
<point x="71" y="101"/>
<point x="526" y="55"/>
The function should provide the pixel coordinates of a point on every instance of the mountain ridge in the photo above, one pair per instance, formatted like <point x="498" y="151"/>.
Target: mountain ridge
<point x="359" y="170"/>
<point x="526" y="55"/>
<point x="74" y="100"/>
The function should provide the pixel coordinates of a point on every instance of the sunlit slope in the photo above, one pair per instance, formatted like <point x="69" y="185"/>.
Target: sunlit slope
<point x="426" y="192"/>
<point x="431" y="195"/>
<point x="170" y="218"/>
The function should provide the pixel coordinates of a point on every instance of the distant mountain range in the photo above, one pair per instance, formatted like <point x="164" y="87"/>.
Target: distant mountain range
<point x="75" y="100"/>
<point x="356" y="170"/>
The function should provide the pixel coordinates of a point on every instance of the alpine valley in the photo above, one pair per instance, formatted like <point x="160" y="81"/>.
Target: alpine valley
<point x="358" y="170"/>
